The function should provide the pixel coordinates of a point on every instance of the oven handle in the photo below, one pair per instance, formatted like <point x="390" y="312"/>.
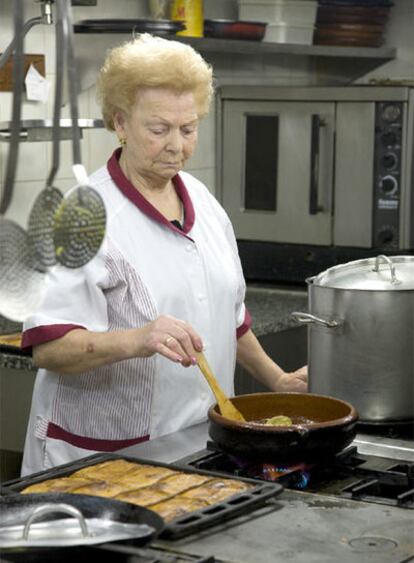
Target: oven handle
<point x="314" y="206"/>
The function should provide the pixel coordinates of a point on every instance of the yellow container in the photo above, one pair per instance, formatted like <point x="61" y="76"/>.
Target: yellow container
<point x="191" y="13"/>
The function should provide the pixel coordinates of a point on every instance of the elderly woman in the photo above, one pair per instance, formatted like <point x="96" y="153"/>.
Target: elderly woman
<point x="117" y="339"/>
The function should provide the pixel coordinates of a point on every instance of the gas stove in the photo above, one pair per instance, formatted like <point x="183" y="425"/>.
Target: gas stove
<point x="344" y="512"/>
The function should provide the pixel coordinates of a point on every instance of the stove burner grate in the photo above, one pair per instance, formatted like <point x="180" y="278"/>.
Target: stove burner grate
<point x="347" y="474"/>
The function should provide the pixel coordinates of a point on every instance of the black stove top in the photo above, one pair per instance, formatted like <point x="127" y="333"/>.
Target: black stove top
<point x="398" y="430"/>
<point x="348" y="475"/>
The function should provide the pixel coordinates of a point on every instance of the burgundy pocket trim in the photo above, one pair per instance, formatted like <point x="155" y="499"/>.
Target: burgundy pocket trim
<point x="95" y="444"/>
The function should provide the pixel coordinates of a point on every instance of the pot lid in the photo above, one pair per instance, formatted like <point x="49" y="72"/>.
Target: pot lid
<point x="381" y="273"/>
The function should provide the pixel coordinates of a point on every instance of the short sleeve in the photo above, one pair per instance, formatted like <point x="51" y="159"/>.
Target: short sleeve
<point x="74" y="298"/>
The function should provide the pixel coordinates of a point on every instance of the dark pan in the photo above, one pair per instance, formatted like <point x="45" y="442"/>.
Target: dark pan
<point x="15" y="509"/>
<point x="158" y="27"/>
<point x="333" y="427"/>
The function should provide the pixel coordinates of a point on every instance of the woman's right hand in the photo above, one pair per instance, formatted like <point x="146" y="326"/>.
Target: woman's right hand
<point x="172" y="338"/>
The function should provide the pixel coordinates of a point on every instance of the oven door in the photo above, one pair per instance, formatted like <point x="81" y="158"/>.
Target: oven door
<point x="277" y="171"/>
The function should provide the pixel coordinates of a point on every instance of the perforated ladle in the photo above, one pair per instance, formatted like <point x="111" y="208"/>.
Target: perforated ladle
<point x="227" y="408"/>
<point x="79" y="223"/>
<point x="42" y="215"/>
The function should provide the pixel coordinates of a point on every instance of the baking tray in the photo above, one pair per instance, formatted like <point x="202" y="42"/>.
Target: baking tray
<point x="240" y="503"/>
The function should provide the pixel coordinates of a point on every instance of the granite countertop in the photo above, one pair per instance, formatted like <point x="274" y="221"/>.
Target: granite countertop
<point x="270" y="307"/>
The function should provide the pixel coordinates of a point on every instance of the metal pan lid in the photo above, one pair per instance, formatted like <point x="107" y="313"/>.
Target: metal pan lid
<point x="382" y="273"/>
<point x="63" y="520"/>
<point x="76" y="530"/>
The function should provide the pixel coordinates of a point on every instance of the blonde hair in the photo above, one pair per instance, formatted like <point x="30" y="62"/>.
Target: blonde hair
<point x="152" y="62"/>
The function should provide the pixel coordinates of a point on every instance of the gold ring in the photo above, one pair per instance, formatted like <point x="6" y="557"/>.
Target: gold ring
<point x="168" y="340"/>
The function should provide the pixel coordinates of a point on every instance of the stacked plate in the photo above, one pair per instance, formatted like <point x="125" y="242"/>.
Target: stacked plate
<point x="230" y="29"/>
<point x="357" y="23"/>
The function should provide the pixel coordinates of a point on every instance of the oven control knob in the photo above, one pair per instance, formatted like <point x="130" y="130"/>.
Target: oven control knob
<point x="391" y="113"/>
<point x="389" y="139"/>
<point x="388" y="185"/>
<point x="385" y="236"/>
<point x="389" y="160"/>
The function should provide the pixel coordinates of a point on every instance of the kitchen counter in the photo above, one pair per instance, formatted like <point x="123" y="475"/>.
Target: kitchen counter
<point x="269" y="306"/>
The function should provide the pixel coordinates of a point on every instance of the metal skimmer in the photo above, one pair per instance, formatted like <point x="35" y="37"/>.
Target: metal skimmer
<point x="41" y="219"/>
<point x="79" y="227"/>
<point x="21" y="285"/>
<point x="80" y="221"/>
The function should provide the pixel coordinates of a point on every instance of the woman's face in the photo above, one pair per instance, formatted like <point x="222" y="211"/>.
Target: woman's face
<point x="160" y="131"/>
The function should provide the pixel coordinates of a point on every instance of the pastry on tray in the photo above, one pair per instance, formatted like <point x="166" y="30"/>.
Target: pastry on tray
<point x="11" y="339"/>
<point x="176" y="507"/>
<point x="169" y="492"/>
<point x="144" y="476"/>
<point x="180" y="482"/>
<point x="59" y="485"/>
<point x="217" y="490"/>
<point x="100" y="489"/>
<point x="108" y="470"/>
<point x="142" y="497"/>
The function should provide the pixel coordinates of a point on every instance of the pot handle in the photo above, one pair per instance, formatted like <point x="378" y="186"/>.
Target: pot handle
<point x="49" y="508"/>
<point x="307" y="318"/>
<point x="394" y="278"/>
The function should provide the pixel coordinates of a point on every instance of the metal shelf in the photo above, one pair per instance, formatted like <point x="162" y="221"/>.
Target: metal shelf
<point x="232" y="46"/>
<point x="336" y="65"/>
<point x="37" y="130"/>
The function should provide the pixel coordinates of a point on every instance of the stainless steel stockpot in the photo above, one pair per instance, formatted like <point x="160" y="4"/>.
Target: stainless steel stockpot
<point x="361" y="336"/>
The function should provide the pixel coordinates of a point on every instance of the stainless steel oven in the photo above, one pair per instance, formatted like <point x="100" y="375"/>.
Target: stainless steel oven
<point x="316" y="176"/>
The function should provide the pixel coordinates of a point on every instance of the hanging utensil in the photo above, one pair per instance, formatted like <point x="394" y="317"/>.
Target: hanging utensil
<point x="42" y="215"/>
<point x="21" y="283"/>
<point x="228" y="410"/>
<point x="46" y="18"/>
<point x="79" y="226"/>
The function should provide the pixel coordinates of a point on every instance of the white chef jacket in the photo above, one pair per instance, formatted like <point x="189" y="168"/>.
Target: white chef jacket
<point x="146" y="267"/>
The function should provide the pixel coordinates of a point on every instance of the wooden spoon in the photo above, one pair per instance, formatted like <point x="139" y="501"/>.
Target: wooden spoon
<point x="226" y="406"/>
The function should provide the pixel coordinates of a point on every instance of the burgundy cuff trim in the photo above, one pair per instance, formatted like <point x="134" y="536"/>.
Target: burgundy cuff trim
<point x="95" y="444"/>
<point x="130" y="192"/>
<point x="40" y="334"/>
<point x="247" y="323"/>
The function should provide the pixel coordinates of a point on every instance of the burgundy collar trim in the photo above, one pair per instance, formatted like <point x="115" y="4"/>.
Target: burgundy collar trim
<point x="144" y="205"/>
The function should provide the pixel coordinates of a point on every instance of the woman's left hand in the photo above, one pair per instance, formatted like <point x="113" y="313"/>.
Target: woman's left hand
<point x="294" y="381"/>
<point x="254" y="359"/>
